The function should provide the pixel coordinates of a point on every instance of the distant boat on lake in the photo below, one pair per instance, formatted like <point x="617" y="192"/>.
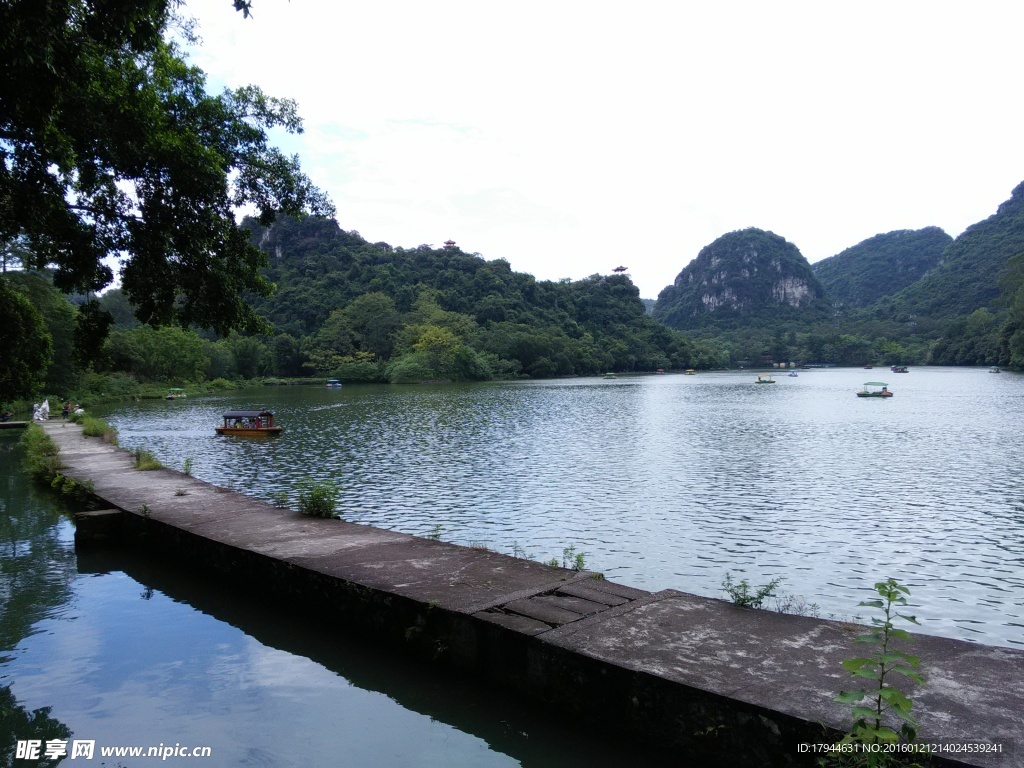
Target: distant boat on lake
<point x="764" y="379"/>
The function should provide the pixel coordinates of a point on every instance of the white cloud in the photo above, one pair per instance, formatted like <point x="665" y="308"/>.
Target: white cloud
<point x="570" y="137"/>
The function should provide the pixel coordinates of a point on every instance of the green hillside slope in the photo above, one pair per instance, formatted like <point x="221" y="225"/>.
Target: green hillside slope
<point x="967" y="277"/>
<point x="327" y="279"/>
<point x="881" y="265"/>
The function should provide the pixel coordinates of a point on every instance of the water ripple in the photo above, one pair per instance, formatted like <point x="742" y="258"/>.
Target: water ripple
<point x="669" y="481"/>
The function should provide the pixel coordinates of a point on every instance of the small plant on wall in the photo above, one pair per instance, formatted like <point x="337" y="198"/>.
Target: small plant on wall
<point x="318" y="499"/>
<point x="881" y="711"/>
<point x="743" y="595"/>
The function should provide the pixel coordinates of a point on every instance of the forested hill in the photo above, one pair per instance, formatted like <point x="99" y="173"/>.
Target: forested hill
<point x="441" y="313"/>
<point x="747" y="277"/>
<point x="881" y="265"/>
<point x="967" y="277"/>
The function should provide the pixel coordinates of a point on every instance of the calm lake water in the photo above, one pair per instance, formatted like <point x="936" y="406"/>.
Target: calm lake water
<point x="663" y="481"/>
<point x="127" y="652"/>
<point x="669" y="481"/>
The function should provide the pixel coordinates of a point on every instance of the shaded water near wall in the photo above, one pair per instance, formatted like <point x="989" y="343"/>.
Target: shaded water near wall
<point x="128" y="651"/>
<point x="668" y="481"/>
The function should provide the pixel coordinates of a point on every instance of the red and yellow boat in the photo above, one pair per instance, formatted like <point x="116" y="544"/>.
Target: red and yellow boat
<point x="248" y="424"/>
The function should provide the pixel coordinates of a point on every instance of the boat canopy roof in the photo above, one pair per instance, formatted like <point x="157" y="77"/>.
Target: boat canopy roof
<point x="245" y="414"/>
<point x="875" y="384"/>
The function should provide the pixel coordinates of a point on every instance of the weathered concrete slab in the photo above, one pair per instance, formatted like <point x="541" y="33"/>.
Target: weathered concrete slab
<point x="594" y="595"/>
<point x="744" y="686"/>
<point x="521" y="624"/>
<point x="549" y="614"/>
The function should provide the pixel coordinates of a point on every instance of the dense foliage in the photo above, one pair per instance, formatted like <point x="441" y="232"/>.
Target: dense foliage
<point x="357" y="311"/>
<point x="881" y="265"/>
<point x="110" y="145"/>
<point x="25" y="345"/>
<point x="348" y="305"/>
<point x="968" y="276"/>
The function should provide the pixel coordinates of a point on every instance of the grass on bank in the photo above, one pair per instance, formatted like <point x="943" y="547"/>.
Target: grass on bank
<point x="41" y="454"/>
<point x="145" y="461"/>
<point x="94" y="427"/>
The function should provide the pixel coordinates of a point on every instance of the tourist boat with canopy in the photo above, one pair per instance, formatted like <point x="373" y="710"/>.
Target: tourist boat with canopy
<point x="875" y="389"/>
<point x="764" y="379"/>
<point x="248" y="424"/>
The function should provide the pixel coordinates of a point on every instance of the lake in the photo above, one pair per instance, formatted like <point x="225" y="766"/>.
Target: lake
<point x="668" y="481"/>
<point x="125" y="650"/>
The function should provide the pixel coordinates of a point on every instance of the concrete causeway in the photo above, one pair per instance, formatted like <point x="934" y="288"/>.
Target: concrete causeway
<point x="719" y="684"/>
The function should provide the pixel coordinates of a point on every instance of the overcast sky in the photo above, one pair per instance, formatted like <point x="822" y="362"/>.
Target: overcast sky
<point x="572" y="137"/>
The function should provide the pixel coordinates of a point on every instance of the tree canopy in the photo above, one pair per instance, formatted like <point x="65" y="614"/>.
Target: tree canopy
<point x="110" y="145"/>
<point x="25" y="343"/>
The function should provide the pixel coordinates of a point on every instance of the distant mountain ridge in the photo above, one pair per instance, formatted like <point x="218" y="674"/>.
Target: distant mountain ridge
<point x="903" y="282"/>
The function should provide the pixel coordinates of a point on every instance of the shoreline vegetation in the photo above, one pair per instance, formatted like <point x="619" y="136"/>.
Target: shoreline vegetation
<point x="108" y="389"/>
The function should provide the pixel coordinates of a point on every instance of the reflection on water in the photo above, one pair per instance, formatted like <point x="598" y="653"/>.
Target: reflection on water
<point x="669" y="481"/>
<point x="125" y="651"/>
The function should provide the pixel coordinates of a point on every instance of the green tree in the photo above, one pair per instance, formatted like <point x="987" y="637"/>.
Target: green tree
<point x="221" y="363"/>
<point x="374" y="320"/>
<point x="250" y="355"/>
<point x="110" y="144"/>
<point x="60" y="317"/>
<point x="332" y="343"/>
<point x="25" y="343"/>
<point x="158" y="354"/>
<point x="288" y="356"/>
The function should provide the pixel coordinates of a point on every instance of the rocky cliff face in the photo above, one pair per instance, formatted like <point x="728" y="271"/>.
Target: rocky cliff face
<point x="740" y="275"/>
